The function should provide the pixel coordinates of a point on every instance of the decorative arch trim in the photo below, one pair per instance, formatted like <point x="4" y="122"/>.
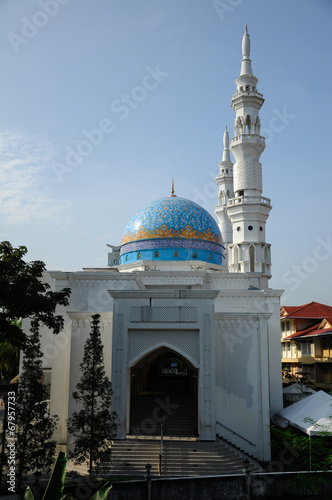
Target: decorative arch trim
<point x="132" y="362"/>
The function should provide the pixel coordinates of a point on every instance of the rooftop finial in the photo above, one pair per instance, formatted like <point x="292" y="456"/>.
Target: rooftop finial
<point x="246" y="29"/>
<point x="172" y="195"/>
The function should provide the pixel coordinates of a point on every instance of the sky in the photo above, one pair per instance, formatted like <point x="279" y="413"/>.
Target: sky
<point x="103" y="102"/>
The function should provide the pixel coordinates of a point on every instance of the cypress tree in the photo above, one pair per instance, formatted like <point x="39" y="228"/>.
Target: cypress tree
<point x="94" y="424"/>
<point x="35" y="426"/>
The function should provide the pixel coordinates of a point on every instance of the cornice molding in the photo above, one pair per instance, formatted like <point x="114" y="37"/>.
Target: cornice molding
<point x="164" y="294"/>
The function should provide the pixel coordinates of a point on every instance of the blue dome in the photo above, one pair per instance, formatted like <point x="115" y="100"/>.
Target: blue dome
<point x="172" y="228"/>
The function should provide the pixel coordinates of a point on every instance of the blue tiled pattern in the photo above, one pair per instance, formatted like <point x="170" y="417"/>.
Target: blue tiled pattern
<point x="170" y="243"/>
<point x="172" y="217"/>
<point x="172" y="229"/>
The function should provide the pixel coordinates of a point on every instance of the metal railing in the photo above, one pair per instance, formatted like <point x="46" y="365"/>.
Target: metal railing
<point x="161" y="448"/>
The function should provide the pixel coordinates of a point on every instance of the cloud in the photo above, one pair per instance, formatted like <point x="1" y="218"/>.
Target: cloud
<point x="25" y="189"/>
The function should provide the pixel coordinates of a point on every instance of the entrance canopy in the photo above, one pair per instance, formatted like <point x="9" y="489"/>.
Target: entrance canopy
<point x="312" y="415"/>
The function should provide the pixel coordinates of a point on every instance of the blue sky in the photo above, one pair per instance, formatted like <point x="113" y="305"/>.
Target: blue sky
<point x="104" y="102"/>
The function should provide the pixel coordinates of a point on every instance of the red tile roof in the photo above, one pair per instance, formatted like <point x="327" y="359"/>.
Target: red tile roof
<point x="327" y="331"/>
<point x="311" y="310"/>
<point x="304" y="332"/>
<point x="310" y="332"/>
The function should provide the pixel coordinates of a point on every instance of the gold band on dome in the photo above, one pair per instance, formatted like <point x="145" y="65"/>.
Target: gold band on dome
<point x="165" y="232"/>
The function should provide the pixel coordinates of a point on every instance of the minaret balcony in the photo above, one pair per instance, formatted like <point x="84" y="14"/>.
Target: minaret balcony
<point x="247" y="98"/>
<point x="244" y="92"/>
<point x="249" y="200"/>
<point x="248" y="138"/>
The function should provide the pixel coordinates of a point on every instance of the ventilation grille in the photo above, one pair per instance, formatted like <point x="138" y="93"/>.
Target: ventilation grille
<point x="148" y="314"/>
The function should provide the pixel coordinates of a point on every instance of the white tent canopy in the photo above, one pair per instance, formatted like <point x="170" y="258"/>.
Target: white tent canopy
<point x="298" y="389"/>
<point x="317" y="407"/>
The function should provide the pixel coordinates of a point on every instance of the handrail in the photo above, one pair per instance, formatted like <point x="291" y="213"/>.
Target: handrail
<point x="161" y="447"/>
<point x="235" y="433"/>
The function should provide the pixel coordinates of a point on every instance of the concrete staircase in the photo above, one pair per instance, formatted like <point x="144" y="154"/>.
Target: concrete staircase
<point x="179" y="414"/>
<point x="181" y="458"/>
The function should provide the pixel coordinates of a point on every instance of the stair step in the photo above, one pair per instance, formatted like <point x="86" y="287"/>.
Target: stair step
<point x="180" y="458"/>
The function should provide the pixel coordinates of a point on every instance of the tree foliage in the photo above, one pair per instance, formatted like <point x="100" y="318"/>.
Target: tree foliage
<point x="301" y="452"/>
<point x="300" y="377"/>
<point x="94" y="424"/>
<point x="9" y="356"/>
<point x="35" y="426"/>
<point x="23" y="294"/>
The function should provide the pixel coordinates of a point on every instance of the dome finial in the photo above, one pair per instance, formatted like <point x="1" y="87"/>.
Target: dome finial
<point x="172" y="195"/>
<point x="246" y="28"/>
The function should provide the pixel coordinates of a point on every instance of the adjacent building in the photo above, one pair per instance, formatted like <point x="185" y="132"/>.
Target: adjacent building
<point x="306" y="342"/>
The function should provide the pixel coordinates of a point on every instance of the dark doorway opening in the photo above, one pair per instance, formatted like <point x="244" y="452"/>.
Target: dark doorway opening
<point x="164" y="391"/>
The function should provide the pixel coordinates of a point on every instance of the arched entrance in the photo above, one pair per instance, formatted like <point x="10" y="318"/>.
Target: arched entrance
<point x="164" y="390"/>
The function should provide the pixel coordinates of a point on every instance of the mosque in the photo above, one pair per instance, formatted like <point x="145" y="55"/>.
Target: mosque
<point x="189" y="324"/>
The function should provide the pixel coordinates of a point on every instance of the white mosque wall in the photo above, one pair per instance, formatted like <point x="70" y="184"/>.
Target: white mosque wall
<point x="242" y="392"/>
<point x="236" y="331"/>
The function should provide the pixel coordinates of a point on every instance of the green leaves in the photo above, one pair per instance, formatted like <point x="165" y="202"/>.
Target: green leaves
<point x="56" y="483"/>
<point x="55" y="486"/>
<point x="25" y="294"/>
<point x="102" y="493"/>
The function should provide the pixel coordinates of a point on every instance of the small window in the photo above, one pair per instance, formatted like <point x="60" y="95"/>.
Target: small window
<point x="250" y="228"/>
<point x="241" y="193"/>
<point x="283" y="326"/>
<point x="261" y="228"/>
<point x="210" y="256"/>
<point x="176" y="253"/>
<point x="238" y="228"/>
<point x="194" y="255"/>
<point x="324" y="343"/>
<point x="247" y="87"/>
<point x="156" y="254"/>
<point x="127" y="258"/>
<point x="241" y="88"/>
<point x="139" y="255"/>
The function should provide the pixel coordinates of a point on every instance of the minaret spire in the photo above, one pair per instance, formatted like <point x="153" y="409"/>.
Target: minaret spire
<point x="225" y="184"/>
<point x="246" y="62"/>
<point x="226" y="152"/>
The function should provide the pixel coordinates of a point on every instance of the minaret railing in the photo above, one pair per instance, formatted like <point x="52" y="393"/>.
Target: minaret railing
<point x="249" y="199"/>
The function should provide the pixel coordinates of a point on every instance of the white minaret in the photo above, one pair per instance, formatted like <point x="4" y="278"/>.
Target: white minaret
<point x="225" y="184"/>
<point x="248" y="210"/>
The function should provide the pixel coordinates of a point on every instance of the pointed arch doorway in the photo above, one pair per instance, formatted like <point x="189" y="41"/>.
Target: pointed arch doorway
<point x="164" y="389"/>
